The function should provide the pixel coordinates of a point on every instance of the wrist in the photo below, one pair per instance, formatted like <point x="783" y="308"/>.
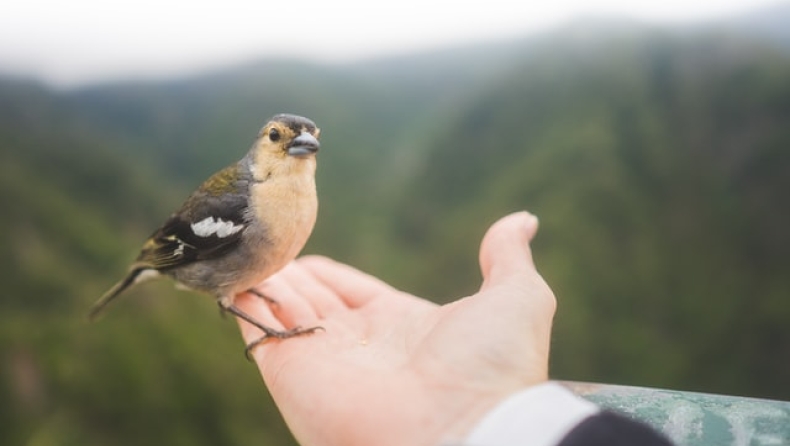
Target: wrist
<point x="460" y="419"/>
<point x="460" y="410"/>
<point x="544" y="414"/>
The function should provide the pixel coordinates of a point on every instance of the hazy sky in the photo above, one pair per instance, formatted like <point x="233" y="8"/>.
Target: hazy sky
<point x="67" y="42"/>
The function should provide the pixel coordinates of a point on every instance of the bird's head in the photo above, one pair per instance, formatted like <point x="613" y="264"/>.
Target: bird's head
<point x="289" y="135"/>
<point x="286" y="144"/>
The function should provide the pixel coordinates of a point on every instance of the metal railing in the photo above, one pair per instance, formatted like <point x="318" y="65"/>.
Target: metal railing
<point x="696" y="419"/>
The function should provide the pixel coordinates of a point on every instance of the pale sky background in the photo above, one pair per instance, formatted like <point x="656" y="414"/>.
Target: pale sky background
<point x="73" y="42"/>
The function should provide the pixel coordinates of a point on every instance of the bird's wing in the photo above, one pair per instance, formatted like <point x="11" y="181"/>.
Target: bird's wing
<point x="209" y="224"/>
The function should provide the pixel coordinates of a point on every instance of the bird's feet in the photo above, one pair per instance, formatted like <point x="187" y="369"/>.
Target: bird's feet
<point x="269" y="332"/>
<point x="277" y="334"/>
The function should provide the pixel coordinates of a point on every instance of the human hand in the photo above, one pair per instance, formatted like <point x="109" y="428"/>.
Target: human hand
<point x="392" y="368"/>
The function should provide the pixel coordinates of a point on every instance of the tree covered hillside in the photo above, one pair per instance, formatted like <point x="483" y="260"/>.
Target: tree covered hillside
<point x="660" y="169"/>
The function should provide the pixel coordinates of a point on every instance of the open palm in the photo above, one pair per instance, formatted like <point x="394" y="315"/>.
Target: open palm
<point x="392" y="368"/>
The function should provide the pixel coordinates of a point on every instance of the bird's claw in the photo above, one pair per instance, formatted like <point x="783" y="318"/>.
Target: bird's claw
<point x="268" y="332"/>
<point x="277" y="334"/>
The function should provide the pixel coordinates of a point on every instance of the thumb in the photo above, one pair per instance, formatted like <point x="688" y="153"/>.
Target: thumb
<point x="505" y="250"/>
<point x="512" y="285"/>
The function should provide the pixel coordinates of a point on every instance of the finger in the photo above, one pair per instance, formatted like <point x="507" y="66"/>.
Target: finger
<point x="292" y="309"/>
<point x="505" y="250"/>
<point x="354" y="287"/>
<point x="322" y="299"/>
<point x="512" y="286"/>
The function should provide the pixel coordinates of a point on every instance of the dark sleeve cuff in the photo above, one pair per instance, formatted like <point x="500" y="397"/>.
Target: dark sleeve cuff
<point x="610" y="429"/>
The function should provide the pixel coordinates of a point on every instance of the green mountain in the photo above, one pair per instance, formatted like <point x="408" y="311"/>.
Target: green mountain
<point x="657" y="162"/>
<point x="659" y="168"/>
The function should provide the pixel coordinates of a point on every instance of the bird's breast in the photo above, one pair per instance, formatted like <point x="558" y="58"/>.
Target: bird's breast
<point x="287" y="208"/>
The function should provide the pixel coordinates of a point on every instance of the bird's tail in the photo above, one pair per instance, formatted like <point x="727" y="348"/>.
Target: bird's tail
<point x="136" y="275"/>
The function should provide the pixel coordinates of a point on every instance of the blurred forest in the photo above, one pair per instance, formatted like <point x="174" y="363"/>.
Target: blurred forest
<point x="657" y="160"/>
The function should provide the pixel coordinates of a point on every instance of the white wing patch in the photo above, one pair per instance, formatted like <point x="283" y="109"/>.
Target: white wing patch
<point x="219" y="227"/>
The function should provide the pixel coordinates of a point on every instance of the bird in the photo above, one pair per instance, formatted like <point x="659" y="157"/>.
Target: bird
<point x="242" y="225"/>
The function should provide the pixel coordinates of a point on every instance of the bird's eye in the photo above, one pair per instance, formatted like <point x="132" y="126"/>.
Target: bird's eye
<point x="274" y="135"/>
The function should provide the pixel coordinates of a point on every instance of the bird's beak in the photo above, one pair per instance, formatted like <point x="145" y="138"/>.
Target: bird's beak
<point x="303" y="145"/>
